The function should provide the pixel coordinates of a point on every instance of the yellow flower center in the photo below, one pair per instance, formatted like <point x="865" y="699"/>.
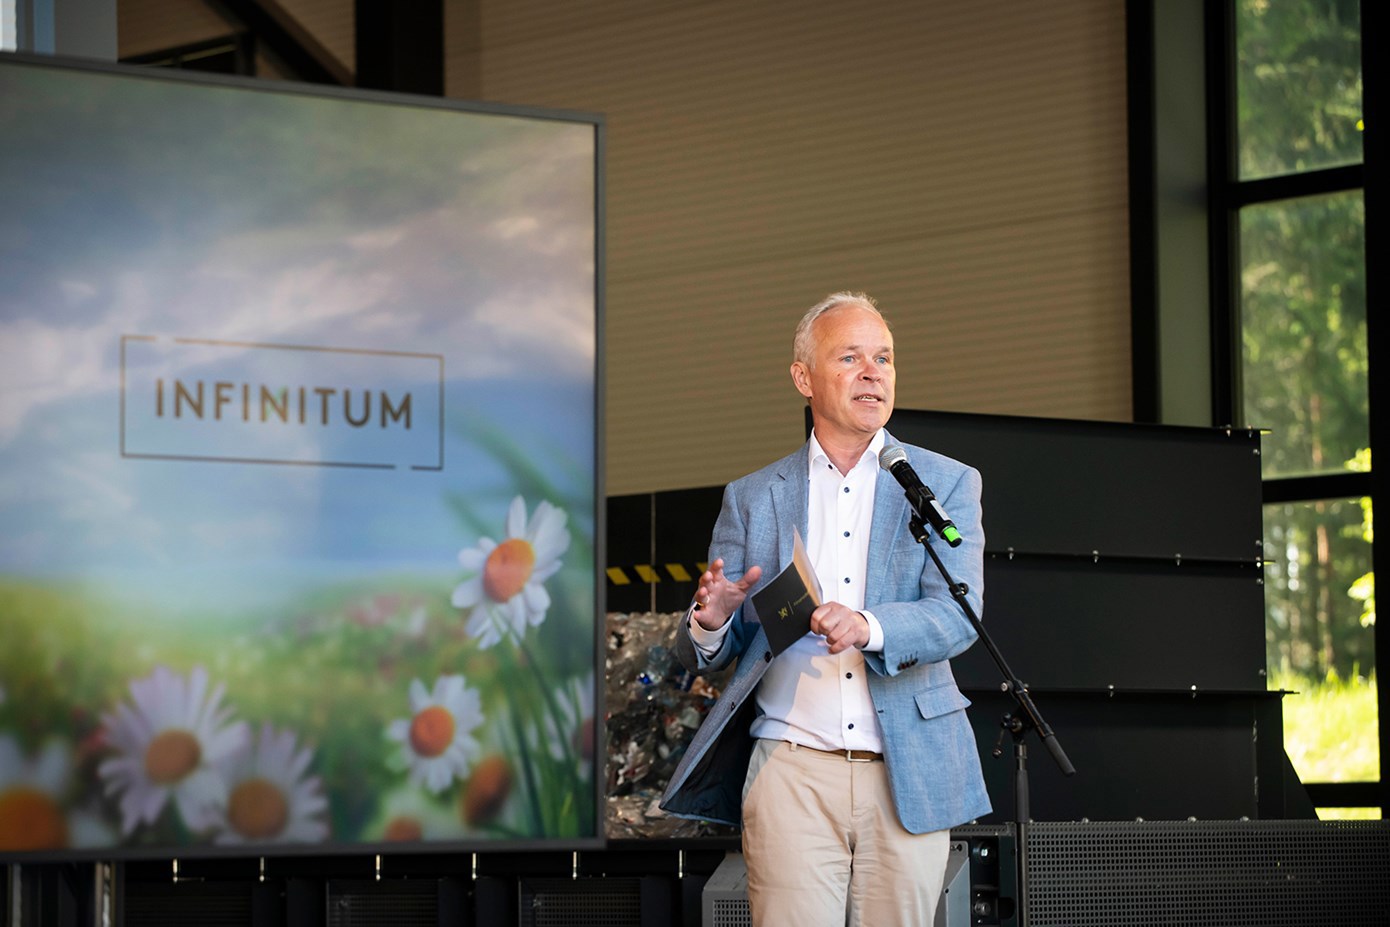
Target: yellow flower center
<point x="404" y="829"/>
<point x="431" y="731"/>
<point x="257" y="809"/>
<point x="172" y="755"/>
<point x="487" y="790"/>
<point x="508" y="568"/>
<point x="31" y="820"/>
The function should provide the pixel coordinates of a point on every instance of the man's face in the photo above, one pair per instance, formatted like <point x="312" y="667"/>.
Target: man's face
<point x="850" y="385"/>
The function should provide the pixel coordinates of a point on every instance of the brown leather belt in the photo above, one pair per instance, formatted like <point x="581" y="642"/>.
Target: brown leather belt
<point x="849" y="756"/>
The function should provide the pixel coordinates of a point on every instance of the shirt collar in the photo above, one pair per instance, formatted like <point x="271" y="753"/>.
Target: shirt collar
<point x="817" y="456"/>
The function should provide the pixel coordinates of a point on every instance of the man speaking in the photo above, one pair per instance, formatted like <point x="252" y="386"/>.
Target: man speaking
<point x="849" y="753"/>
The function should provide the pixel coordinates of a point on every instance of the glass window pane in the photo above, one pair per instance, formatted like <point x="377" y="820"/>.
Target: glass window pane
<point x="1303" y="331"/>
<point x="1320" y="640"/>
<point x="1298" y="85"/>
<point x="1348" y="814"/>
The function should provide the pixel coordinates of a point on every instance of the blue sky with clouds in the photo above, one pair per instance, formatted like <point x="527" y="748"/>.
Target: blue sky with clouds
<point x="142" y="206"/>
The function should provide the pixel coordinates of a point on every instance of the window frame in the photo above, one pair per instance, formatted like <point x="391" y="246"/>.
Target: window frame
<point x="1227" y="196"/>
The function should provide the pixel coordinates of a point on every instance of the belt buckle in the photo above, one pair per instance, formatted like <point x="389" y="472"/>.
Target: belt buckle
<point x="851" y="758"/>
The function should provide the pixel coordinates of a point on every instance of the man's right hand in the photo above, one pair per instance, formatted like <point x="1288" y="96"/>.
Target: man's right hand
<point x="719" y="597"/>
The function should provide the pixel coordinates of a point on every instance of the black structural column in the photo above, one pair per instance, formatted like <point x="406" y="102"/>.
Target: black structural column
<point x="400" y="46"/>
<point x="1376" y="154"/>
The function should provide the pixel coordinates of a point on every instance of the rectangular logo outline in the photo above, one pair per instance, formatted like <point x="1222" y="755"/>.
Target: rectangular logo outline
<point x="439" y="358"/>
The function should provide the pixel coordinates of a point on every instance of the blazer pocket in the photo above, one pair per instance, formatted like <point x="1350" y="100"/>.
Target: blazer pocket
<point x="941" y="700"/>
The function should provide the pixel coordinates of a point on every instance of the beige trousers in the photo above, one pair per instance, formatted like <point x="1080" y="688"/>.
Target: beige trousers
<point x="824" y="846"/>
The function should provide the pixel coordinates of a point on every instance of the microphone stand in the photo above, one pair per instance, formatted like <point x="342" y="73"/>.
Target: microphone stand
<point x="1025" y="716"/>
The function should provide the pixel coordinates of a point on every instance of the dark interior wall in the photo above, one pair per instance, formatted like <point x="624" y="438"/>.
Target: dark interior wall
<point x="1123" y="585"/>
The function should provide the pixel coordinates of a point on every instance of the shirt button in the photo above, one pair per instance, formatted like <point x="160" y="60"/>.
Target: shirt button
<point x="846" y="534"/>
<point x="851" y="727"/>
<point x="846" y="579"/>
<point x="846" y="489"/>
<point x="849" y="675"/>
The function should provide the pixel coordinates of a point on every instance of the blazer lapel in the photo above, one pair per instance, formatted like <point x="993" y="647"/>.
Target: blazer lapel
<point x="890" y="519"/>
<point x="788" y="491"/>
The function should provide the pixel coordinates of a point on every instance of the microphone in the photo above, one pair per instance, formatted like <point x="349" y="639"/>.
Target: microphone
<point x="894" y="459"/>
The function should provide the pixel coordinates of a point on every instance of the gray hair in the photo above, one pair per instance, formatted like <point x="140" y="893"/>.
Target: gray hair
<point x="802" y="342"/>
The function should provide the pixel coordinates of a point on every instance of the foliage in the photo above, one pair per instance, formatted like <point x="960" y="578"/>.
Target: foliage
<point x="1330" y="727"/>
<point x="1299" y="85"/>
<point x="1303" y="326"/>
<point x="349" y="676"/>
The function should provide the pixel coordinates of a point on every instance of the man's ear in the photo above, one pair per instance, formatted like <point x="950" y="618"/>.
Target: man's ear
<point x="801" y="376"/>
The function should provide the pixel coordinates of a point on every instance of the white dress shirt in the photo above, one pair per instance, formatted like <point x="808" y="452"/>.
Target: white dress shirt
<point x="810" y="696"/>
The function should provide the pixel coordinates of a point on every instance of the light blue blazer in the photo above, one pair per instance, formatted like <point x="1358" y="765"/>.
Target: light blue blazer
<point x="928" y="744"/>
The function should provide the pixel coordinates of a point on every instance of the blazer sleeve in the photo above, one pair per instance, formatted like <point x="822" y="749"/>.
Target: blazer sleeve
<point x="729" y="540"/>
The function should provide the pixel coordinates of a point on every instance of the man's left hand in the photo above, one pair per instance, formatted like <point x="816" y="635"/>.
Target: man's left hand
<point x="842" y="627"/>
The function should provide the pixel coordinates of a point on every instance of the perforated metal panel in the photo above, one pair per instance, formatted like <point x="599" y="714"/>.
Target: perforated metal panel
<point x="174" y="911"/>
<point x="169" y="904"/>
<point x="1231" y="874"/>
<point x="383" y="904"/>
<point x="731" y="912"/>
<point x="608" y="902"/>
<point x="724" y="900"/>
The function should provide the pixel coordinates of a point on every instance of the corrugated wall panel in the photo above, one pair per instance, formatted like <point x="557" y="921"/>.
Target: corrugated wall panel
<point x="144" y="26"/>
<point x="964" y="162"/>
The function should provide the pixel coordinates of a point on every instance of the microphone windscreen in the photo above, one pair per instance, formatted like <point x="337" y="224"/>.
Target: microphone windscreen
<point x="890" y="456"/>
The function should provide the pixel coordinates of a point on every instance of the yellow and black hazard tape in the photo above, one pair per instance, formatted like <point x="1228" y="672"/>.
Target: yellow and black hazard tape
<point x="646" y="573"/>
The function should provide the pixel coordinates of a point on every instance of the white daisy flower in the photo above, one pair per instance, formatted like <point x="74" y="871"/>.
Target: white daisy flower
<point x="408" y="815"/>
<point x="32" y="812"/>
<point x="506" y="589"/>
<point x="269" y="798"/>
<point x="32" y="816"/>
<point x="437" y="742"/>
<point x="171" y="742"/>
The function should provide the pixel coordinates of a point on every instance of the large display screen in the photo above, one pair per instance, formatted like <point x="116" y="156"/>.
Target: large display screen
<point x="298" y="468"/>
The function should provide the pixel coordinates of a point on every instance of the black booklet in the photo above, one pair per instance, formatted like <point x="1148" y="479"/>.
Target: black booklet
<point x="785" y="604"/>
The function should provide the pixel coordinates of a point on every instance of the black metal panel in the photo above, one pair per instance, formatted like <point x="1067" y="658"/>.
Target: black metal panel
<point x="994" y="897"/>
<point x="1057" y="486"/>
<point x="1075" y="623"/>
<point x="494" y="901"/>
<point x="56" y="894"/>
<point x="684" y="520"/>
<point x="305" y="900"/>
<point x="1156" y="757"/>
<point x="629" y="543"/>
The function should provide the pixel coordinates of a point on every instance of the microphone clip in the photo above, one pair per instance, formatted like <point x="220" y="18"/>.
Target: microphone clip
<point x="928" y="510"/>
